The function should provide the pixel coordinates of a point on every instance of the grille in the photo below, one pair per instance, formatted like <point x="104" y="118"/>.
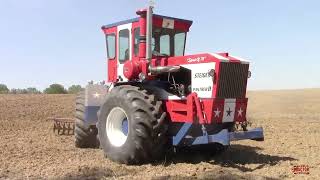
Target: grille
<point x="232" y="81"/>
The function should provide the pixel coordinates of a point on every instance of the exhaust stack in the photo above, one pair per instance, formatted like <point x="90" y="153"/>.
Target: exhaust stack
<point x="149" y="33"/>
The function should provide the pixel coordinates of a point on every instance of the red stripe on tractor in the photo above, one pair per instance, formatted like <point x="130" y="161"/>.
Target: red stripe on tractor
<point x="218" y="106"/>
<point x="241" y="105"/>
<point x="216" y="79"/>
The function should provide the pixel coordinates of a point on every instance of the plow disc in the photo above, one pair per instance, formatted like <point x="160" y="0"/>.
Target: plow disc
<point x="63" y="126"/>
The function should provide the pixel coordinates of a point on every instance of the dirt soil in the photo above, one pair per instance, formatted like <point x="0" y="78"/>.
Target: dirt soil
<point x="291" y="120"/>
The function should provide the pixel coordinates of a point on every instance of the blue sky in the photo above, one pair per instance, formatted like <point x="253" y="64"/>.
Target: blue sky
<point x="47" y="41"/>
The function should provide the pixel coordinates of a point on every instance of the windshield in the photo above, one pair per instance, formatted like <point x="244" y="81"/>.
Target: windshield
<point x="168" y="42"/>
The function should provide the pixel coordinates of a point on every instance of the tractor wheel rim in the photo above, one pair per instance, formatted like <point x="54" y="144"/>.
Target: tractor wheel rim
<point x="117" y="127"/>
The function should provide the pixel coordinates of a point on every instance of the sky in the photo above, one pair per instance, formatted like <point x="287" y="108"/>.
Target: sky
<point x="60" y="41"/>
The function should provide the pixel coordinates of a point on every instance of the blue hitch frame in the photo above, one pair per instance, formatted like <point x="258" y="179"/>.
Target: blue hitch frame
<point x="223" y="137"/>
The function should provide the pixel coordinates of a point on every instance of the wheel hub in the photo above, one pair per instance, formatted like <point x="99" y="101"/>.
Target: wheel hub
<point x="117" y="126"/>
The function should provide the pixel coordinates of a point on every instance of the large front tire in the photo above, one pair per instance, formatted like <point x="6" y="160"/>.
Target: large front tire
<point x="131" y="126"/>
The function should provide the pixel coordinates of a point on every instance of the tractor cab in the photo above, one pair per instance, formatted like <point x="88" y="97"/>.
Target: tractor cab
<point x="126" y="41"/>
<point x="169" y="39"/>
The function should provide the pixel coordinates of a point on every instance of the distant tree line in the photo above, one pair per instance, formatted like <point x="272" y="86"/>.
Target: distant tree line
<point x="52" y="89"/>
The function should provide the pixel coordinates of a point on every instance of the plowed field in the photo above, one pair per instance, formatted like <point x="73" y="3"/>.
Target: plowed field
<point x="291" y="120"/>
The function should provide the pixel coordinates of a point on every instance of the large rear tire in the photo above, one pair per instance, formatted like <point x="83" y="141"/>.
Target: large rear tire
<point x="131" y="126"/>
<point x="85" y="135"/>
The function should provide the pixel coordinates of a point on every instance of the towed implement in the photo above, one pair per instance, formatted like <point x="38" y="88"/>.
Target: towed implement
<point x="63" y="126"/>
<point x="157" y="97"/>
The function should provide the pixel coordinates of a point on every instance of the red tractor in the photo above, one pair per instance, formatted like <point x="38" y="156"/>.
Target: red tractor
<point x="157" y="97"/>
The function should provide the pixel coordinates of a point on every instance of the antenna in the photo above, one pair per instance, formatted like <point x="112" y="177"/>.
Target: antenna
<point x="152" y="3"/>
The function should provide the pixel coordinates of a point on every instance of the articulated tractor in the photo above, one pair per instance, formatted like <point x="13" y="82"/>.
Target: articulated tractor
<point x="157" y="98"/>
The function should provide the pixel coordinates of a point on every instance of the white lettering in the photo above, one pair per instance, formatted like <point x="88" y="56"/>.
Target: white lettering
<point x="199" y="89"/>
<point x="197" y="59"/>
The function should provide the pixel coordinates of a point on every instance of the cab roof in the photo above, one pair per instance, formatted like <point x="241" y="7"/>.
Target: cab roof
<point x="156" y="16"/>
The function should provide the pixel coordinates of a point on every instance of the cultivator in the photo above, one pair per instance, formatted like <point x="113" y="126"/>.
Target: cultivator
<point x="63" y="126"/>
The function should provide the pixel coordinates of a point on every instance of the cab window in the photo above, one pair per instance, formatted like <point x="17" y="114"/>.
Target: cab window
<point x="123" y="45"/>
<point x="168" y="42"/>
<point x="111" y="46"/>
<point x="136" y="41"/>
<point x="165" y="45"/>
<point x="179" y="44"/>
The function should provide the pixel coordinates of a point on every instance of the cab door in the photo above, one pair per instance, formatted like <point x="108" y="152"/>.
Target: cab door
<point x="124" y="48"/>
<point x="111" y="35"/>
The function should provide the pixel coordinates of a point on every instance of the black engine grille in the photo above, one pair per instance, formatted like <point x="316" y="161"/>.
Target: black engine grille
<point x="232" y="80"/>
